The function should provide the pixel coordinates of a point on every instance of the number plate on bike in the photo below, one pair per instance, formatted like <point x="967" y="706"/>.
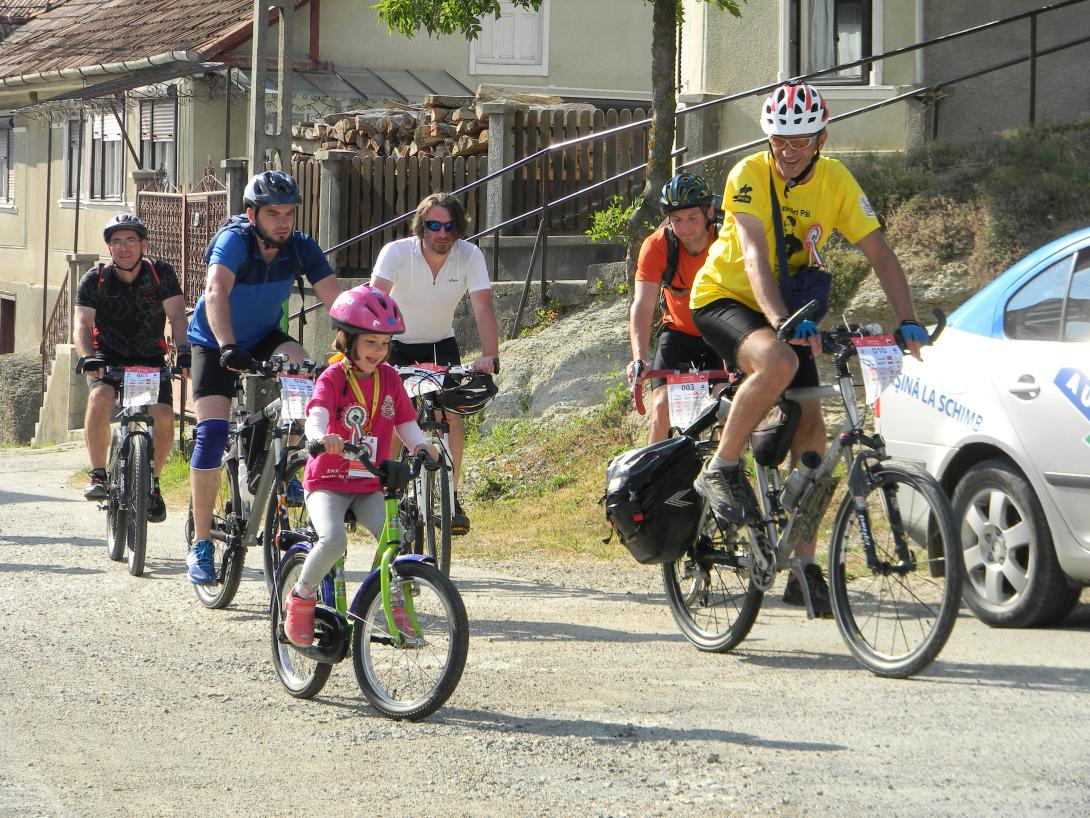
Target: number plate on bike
<point x="428" y="378"/>
<point x="881" y="360"/>
<point x="295" y="394"/>
<point x="687" y="394"/>
<point x="141" y="386"/>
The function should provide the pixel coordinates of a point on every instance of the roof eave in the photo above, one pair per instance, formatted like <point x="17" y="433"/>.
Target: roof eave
<point x="98" y="70"/>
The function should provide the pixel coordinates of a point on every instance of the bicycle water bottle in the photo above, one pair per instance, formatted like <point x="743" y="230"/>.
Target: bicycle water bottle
<point x="338" y="586"/>
<point x="801" y="478"/>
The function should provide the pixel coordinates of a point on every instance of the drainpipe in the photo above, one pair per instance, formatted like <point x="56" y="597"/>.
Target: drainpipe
<point x="45" y="264"/>
<point x="79" y="190"/>
<point x="102" y="69"/>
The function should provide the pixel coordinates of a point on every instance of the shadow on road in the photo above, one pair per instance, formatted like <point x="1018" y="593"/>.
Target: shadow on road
<point x="38" y="539"/>
<point x="31" y="568"/>
<point x="9" y="497"/>
<point x="521" y="587"/>
<point x="515" y="630"/>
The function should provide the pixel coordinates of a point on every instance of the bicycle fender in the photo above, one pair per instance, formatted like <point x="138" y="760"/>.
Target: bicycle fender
<point x="373" y="577"/>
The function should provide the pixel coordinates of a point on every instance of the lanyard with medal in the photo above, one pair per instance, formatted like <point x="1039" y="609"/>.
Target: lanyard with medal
<point x="367" y="442"/>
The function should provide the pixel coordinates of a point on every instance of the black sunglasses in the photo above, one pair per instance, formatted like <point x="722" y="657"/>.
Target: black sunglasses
<point x="435" y="226"/>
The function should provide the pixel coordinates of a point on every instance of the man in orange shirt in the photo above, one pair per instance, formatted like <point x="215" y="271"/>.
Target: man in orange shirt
<point x="690" y="207"/>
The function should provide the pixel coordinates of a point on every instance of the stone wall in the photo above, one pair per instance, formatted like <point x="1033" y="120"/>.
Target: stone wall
<point x="21" y="398"/>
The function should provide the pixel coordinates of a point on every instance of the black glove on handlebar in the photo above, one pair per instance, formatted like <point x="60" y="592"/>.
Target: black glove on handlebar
<point x="233" y="356"/>
<point x="184" y="358"/>
<point x="91" y="363"/>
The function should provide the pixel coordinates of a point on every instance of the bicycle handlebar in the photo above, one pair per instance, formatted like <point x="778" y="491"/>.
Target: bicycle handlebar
<point x="421" y="458"/>
<point x="642" y="374"/>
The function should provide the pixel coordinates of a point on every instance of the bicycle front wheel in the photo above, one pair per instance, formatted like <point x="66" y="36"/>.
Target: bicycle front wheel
<point x="228" y="555"/>
<point x="302" y="677"/>
<point x="710" y="590"/>
<point x="437" y="516"/>
<point x="286" y="512"/>
<point x="896" y="610"/>
<point x="414" y="679"/>
<point x="116" y="514"/>
<point x="138" y="472"/>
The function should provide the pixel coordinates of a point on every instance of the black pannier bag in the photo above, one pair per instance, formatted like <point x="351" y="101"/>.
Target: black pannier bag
<point x="650" y="500"/>
<point x="771" y="440"/>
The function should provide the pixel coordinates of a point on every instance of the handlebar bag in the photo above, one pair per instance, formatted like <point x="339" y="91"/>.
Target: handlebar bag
<point x="650" y="501"/>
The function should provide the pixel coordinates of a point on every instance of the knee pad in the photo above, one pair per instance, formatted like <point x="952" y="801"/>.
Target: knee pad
<point x="211" y="443"/>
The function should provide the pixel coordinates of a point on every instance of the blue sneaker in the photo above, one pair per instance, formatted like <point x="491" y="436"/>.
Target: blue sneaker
<point x="202" y="570"/>
<point x="294" y="493"/>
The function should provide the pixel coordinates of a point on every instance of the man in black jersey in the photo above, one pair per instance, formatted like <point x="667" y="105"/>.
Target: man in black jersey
<point x="121" y="312"/>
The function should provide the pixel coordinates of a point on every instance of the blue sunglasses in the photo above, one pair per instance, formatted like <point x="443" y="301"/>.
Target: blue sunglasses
<point x="435" y="226"/>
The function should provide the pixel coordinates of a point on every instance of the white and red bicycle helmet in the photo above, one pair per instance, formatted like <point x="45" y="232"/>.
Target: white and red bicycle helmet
<point x="365" y="309"/>
<point x="793" y="109"/>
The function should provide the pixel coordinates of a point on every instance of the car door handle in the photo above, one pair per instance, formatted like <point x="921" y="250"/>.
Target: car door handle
<point x="1026" y="388"/>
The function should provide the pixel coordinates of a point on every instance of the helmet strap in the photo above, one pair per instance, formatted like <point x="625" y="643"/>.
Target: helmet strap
<point x="139" y="261"/>
<point x="798" y="179"/>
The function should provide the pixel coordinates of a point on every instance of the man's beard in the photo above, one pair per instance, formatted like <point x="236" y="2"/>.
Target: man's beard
<point x="269" y="240"/>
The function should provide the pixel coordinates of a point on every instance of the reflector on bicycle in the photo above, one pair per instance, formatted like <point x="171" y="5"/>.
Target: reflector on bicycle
<point x="880" y="360"/>
<point x="141" y="386"/>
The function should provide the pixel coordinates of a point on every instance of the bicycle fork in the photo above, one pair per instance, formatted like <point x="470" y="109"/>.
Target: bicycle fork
<point x="859" y="482"/>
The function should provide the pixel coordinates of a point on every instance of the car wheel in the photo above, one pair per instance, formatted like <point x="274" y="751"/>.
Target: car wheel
<point x="1012" y="577"/>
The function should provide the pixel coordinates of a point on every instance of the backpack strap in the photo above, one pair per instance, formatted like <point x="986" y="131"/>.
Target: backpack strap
<point x="673" y="256"/>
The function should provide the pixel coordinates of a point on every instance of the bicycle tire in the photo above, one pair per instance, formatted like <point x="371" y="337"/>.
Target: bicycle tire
<point x="228" y="559"/>
<point x="282" y="515"/>
<point x="116" y="516"/>
<point x="709" y="588"/>
<point x="303" y="678"/>
<point x="437" y="516"/>
<point x="895" y="624"/>
<point x="139" y="477"/>
<point x="415" y="679"/>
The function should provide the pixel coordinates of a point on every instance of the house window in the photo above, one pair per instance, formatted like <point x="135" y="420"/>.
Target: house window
<point x="71" y="158"/>
<point x="833" y="32"/>
<point x="516" y="43"/>
<point x="7" y="163"/>
<point x="157" y="145"/>
<point x="107" y="165"/>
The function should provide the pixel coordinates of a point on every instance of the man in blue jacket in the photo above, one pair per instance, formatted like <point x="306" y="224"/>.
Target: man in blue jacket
<point x="251" y="265"/>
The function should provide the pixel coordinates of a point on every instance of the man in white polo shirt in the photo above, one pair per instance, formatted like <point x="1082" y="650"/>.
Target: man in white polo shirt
<point x="427" y="274"/>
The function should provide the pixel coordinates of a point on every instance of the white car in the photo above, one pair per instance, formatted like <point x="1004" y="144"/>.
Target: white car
<point x="999" y="412"/>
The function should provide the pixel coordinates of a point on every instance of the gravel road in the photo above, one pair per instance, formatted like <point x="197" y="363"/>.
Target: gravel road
<point x="124" y="696"/>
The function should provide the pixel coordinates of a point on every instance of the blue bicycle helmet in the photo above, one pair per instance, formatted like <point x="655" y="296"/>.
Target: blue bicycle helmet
<point x="685" y="190"/>
<point x="272" y="188"/>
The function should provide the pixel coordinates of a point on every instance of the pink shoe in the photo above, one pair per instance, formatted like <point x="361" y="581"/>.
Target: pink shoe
<point x="299" y="620"/>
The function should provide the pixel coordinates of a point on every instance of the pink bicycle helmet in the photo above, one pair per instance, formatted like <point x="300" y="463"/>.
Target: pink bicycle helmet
<point x="793" y="109"/>
<point x="364" y="309"/>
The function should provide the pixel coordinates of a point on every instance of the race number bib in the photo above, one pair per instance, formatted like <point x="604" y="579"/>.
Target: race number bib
<point x="141" y="386"/>
<point x="428" y="379"/>
<point x="369" y="444"/>
<point x="880" y="360"/>
<point x="687" y="394"/>
<point x="295" y="394"/>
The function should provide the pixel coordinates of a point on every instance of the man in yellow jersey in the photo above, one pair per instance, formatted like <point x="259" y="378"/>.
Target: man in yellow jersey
<point x="738" y="303"/>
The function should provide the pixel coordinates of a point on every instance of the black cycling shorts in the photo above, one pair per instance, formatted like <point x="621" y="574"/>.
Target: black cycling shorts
<point x="444" y="353"/>
<point x="209" y="378"/>
<point x="679" y="350"/>
<point x="726" y="323"/>
<point x="166" y="385"/>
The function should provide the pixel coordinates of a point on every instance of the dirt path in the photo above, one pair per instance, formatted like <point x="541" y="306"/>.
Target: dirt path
<point x="125" y="696"/>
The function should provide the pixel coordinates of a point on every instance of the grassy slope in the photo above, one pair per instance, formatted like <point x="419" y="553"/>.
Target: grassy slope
<point x="983" y="207"/>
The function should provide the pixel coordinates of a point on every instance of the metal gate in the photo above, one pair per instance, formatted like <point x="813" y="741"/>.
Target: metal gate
<point x="180" y="225"/>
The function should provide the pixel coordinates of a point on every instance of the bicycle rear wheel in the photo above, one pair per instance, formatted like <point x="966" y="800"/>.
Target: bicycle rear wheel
<point x="301" y="676"/>
<point x="896" y="616"/>
<point x="709" y="588"/>
<point x="116" y="514"/>
<point x="437" y="516"/>
<point x="228" y="554"/>
<point x="285" y="513"/>
<point x="138" y="473"/>
<point x="414" y="679"/>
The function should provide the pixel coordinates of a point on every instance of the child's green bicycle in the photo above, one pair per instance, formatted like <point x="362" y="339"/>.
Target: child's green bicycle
<point x="406" y="626"/>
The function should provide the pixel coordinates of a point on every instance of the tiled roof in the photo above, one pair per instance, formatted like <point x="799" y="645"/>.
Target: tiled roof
<point x="20" y="10"/>
<point x="80" y="33"/>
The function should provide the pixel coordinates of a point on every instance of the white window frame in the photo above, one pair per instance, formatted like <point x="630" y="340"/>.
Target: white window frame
<point x="71" y="160"/>
<point x="159" y="145"/>
<point x="107" y="144"/>
<point x="480" y="64"/>
<point x="7" y="163"/>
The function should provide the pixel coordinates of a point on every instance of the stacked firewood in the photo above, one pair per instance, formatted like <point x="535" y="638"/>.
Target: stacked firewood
<point x="442" y="126"/>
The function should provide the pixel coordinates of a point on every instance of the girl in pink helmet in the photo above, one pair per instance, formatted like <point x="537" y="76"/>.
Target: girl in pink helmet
<point x="360" y="400"/>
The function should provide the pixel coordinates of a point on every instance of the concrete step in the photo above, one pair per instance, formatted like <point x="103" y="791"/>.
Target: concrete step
<point x="568" y="256"/>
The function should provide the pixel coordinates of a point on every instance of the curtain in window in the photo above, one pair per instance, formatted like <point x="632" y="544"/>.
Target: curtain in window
<point x="821" y="43"/>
